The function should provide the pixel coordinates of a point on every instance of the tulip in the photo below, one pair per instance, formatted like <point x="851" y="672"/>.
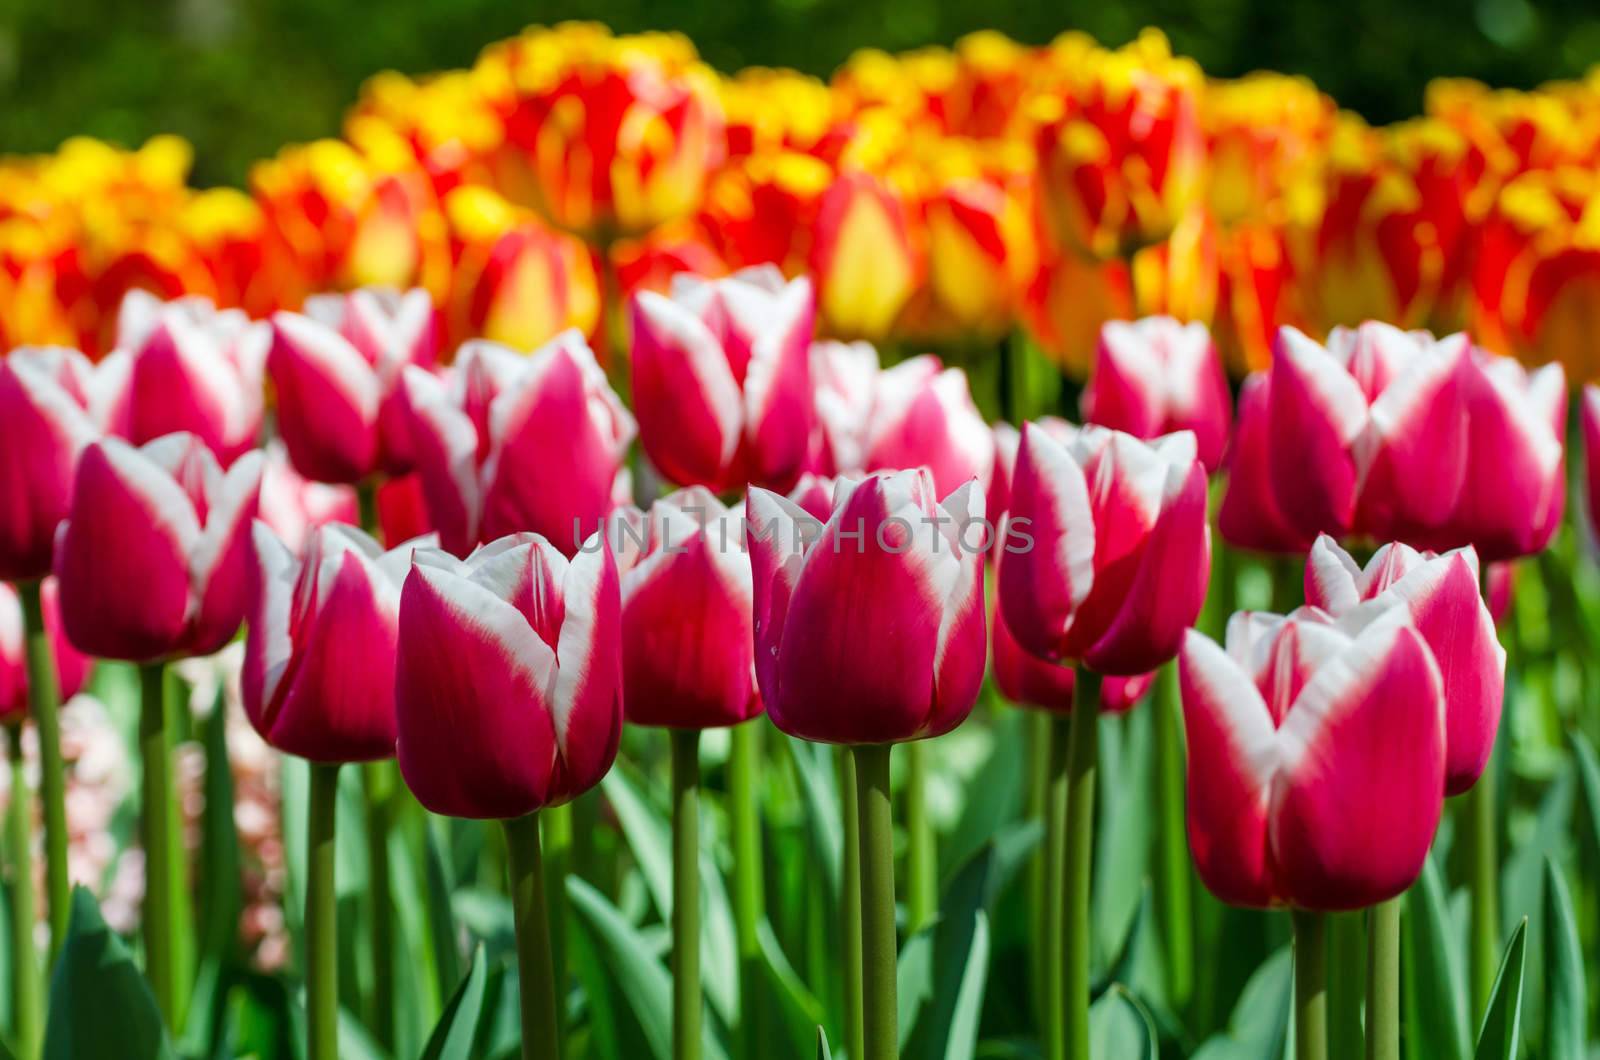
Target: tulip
<point x="844" y="379"/>
<point x="1443" y="598"/>
<point x="923" y="415"/>
<point x="509" y="700"/>
<point x="318" y="682"/>
<point x="721" y="380"/>
<point x="867" y="267"/>
<point x="294" y="506"/>
<point x="45" y="421"/>
<point x="1317" y="751"/>
<point x="336" y="371"/>
<point x="1249" y="516"/>
<point x="813" y="494"/>
<point x="890" y="557"/>
<point x="1156" y="376"/>
<point x="154" y="561"/>
<point x="1105" y="559"/>
<point x="511" y="442"/>
<point x="1031" y="682"/>
<point x="71" y="666"/>
<point x="1368" y="433"/>
<point x="186" y="366"/>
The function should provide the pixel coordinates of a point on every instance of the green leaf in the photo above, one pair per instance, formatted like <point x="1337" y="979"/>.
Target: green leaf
<point x="995" y="793"/>
<point x="1589" y="778"/>
<point x="453" y="1035"/>
<point x="1120" y="1026"/>
<point x="1566" y="998"/>
<point x="642" y="980"/>
<point x="1435" y="986"/>
<point x="100" y="1006"/>
<point x="1501" y="1032"/>
<point x="1259" y="1026"/>
<point x="819" y="789"/>
<point x="823" y="1052"/>
<point x="798" y="1006"/>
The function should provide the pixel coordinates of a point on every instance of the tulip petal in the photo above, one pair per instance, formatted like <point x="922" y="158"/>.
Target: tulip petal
<point x="220" y="565"/>
<point x="777" y="536"/>
<point x="1315" y="412"/>
<point x="586" y="705"/>
<point x="688" y="403"/>
<point x="446" y="451"/>
<point x="1049" y="540"/>
<point x="1332" y="577"/>
<point x="328" y="400"/>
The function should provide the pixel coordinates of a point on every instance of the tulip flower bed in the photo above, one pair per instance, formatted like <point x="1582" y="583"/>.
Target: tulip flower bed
<point x="517" y="583"/>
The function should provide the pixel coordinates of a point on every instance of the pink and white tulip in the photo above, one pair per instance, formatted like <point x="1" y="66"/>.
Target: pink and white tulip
<point x="72" y="667"/>
<point x="1249" y="516"/>
<point x="294" y="506"/>
<point x="1442" y="595"/>
<point x="46" y="397"/>
<point x="1316" y="757"/>
<point x="844" y="377"/>
<point x="154" y="559"/>
<point x="923" y="415"/>
<point x="1156" y="376"/>
<point x="721" y="379"/>
<point x="509" y="681"/>
<point x="1106" y="552"/>
<point x="687" y="650"/>
<point x="870" y="628"/>
<point x="319" y="661"/>
<point x="336" y="370"/>
<point x="186" y="366"/>
<point x="510" y="442"/>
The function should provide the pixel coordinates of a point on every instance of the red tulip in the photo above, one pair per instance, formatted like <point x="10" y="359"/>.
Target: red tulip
<point x="721" y="381"/>
<point x="1106" y="552"/>
<point x="72" y="667"/>
<point x="1030" y="682"/>
<point x="1249" y="516"/>
<point x="45" y="395"/>
<point x="923" y="415"/>
<point x="1442" y="597"/>
<point x="187" y="366"/>
<point x="154" y="559"/>
<point x="1316" y="757"/>
<point x="512" y="442"/>
<point x="869" y="629"/>
<point x="1156" y="376"/>
<point x="319" y="661"/>
<point x="1368" y="433"/>
<point x="295" y="506"/>
<point x="337" y="370"/>
<point x="687" y="653"/>
<point x="509" y="680"/>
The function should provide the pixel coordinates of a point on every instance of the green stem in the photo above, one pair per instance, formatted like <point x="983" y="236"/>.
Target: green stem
<point x="379" y="786"/>
<point x="850" y="903"/>
<point x="1082" y="763"/>
<point x="26" y="991"/>
<point x="1310" y="986"/>
<point x="1484" y="884"/>
<point x="44" y="697"/>
<point x="557" y="822"/>
<point x="321" y="926"/>
<point x="367" y="507"/>
<point x="1040" y="724"/>
<point x="1052" y="937"/>
<point x="160" y="841"/>
<point x="686" y="1002"/>
<point x="1347" y="970"/>
<point x="1177" y="905"/>
<point x="1383" y="982"/>
<point x="541" y="1038"/>
<point x="922" y="859"/>
<point x="879" y="958"/>
<point x="744" y="816"/>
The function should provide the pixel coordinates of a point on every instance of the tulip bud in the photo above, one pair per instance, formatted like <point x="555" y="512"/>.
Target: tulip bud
<point x="1031" y="682"/>
<point x="509" y="442"/>
<point x="154" y="559"/>
<point x="509" y="676"/>
<point x="1156" y="376"/>
<point x="1316" y="757"/>
<point x="1106" y="552"/>
<point x="45" y="394"/>
<point x="319" y="662"/>
<point x="869" y="629"/>
<point x="294" y="506"/>
<point x="687" y="655"/>
<point x="186" y="366"/>
<point x="72" y="667"/>
<point x="337" y="375"/>
<point x="1442" y="596"/>
<point x="721" y="379"/>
